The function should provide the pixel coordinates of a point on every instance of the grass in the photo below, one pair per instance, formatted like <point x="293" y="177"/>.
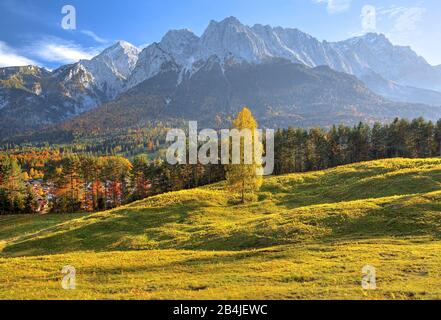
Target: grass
<point x="307" y="237"/>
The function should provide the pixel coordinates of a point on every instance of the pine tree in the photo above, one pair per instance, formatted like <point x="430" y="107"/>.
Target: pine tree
<point x="378" y="139"/>
<point x="12" y="186"/>
<point x="245" y="178"/>
<point x="437" y="139"/>
<point x="71" y="170"/>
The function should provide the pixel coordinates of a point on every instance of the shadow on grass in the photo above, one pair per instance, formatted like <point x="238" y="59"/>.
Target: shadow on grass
<point x="99" y="232"/>
<point x="397" y="219"/>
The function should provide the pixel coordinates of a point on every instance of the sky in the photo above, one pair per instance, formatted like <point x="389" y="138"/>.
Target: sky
<point x="41" y="32"/>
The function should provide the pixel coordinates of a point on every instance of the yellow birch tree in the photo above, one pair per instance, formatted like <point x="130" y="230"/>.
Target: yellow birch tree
<point x="245" y="177"/>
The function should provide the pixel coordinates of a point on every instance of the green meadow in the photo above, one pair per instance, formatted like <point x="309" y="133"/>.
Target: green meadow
<point x="307" y="236"/>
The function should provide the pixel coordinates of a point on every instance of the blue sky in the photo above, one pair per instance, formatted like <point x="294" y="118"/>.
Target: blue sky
<point x="31" y="32"/>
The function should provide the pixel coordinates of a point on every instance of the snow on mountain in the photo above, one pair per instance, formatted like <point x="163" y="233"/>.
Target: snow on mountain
<point x="108" y="70"/>
<point x="229" y="40"/>
<point x="151" y="61"/>
<point x="374" y="52"/>
<point x="44" y="97"/>
<point x="123" y="66"/>
<point x="95" y="81"/>
<point x="181" y="45"/>
<point x="396" y="72"/>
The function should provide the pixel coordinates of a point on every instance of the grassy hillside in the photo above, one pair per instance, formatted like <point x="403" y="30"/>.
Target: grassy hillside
<point x="307" y="236"/>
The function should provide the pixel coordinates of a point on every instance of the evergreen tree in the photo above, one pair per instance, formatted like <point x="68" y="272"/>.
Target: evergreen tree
<point x="378" y="141"/>
<point x="437" y="140"/>
<point x="12" y="187"/>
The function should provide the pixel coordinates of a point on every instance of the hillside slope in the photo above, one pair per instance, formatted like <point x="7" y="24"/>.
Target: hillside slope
<point x="367" y="200"/>
<point x="308" y="236"/>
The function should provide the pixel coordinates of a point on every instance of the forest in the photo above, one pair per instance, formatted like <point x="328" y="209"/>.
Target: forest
<point x="58" y="180"/>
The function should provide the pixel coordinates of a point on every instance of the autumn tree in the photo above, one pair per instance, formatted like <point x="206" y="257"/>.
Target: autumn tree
<point x="245" y="176"/>
<point x="116" y="173"/>
<point x="139" y="177"/>
<point x="64" y="177"/>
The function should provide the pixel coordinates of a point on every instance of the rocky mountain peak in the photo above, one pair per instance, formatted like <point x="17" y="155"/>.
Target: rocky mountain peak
<point x="78" y="87"/>
<point x="119" y="58"/>
<point x="230" y="37"/>
<point x="181" y="44"/>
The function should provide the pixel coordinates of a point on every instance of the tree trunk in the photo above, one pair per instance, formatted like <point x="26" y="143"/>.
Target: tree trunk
<point x="71" y="195"/>
<point x="243" y="191"/>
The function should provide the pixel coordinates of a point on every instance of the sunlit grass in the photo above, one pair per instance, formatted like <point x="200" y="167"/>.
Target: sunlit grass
<point x="307" y="236"/>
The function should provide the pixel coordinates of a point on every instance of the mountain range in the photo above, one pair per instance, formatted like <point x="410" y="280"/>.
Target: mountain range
<point x="284" y="75"/>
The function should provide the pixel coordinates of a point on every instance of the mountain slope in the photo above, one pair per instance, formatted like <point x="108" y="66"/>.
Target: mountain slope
<point x="29" y="99"/>
<point x="104" y="75"/>
<point x="31" y="96"/>
<point x="374" y="52"/>
<point x="278" y="92"/>
<point x="395" y="92"/>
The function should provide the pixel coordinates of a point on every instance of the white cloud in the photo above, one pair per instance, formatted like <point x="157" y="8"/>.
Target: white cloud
<point x="335" y="6"/>
<point x="10" y="58"/>
<point x="57" y="50"/>
<point x="94" y="36"/>
<point x="405" y="18"/>
<point x="401" y="24"/>
<point x="397" y="22"/>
